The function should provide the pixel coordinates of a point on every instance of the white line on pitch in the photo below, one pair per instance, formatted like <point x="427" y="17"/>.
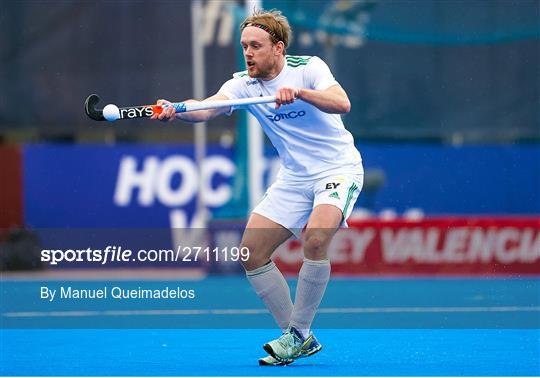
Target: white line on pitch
<point x="328" y="310"/>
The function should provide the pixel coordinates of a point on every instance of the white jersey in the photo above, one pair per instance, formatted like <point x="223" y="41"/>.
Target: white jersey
<point x="310" y="142"/>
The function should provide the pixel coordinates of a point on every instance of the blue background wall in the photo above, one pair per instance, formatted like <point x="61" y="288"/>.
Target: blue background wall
<point x="73" y="186"/>
<point x="457" y="180"/>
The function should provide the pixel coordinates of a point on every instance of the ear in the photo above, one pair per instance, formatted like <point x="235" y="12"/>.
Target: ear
<point x="280" y="47"/>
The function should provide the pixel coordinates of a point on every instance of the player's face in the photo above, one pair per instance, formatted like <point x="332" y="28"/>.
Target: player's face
<point x="260" y="54"/>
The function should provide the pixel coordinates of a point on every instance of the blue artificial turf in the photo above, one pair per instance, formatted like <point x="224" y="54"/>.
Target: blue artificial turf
<point x="496" y="334"/>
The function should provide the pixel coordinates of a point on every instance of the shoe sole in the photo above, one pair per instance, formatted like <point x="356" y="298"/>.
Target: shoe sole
<point x="270" y="351"/>
<point x="279" y="363"/>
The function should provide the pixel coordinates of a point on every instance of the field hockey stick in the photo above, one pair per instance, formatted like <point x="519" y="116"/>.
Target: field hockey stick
<point x="112" y="112"/>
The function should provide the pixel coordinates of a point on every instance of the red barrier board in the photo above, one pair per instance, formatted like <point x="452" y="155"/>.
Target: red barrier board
<point x="11" y="207"/>
<point x="433" y="246"/>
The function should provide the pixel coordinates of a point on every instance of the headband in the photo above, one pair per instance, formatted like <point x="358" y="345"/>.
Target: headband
<point x="265" y="28"/>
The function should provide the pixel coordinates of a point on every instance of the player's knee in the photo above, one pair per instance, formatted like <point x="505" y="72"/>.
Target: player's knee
<point x="315" y="246"/>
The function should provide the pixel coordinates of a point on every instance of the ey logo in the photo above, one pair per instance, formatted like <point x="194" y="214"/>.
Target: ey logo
<point x="332" y="185"/>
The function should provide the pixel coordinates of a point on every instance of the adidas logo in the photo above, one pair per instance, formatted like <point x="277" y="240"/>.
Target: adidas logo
<point x="334" y="195"/>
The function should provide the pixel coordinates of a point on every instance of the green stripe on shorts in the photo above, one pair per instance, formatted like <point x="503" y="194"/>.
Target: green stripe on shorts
<point x="349" y="197"/>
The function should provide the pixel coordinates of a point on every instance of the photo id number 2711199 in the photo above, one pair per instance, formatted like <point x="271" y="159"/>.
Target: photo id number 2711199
<point x="214" y="254"/>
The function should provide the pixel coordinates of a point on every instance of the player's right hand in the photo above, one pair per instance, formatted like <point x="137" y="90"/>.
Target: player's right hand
<point x="167" y="114"/>
<point x="286" y="95"/>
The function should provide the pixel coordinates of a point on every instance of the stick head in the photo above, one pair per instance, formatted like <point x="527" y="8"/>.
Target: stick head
<point x="91" y="110"/>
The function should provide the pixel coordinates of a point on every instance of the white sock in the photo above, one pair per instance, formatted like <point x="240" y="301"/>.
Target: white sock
<point x="271" y="287"/>
<point x="312" y="281"/>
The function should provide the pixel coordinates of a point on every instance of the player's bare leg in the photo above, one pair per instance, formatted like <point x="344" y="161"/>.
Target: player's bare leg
<point x="262" y="236"/>
<point x="322" y="225"/>
<point x="312" y="281"/>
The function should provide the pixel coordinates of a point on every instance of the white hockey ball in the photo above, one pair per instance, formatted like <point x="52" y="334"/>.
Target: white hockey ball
<point x="111" y="112"/>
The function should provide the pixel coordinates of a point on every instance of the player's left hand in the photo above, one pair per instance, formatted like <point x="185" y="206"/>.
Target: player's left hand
<point x="286" y="95"/>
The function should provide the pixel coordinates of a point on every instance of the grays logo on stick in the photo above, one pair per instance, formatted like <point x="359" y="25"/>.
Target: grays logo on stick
<point x="137" y="112"/>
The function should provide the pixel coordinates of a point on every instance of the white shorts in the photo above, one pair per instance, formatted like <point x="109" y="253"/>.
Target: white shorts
<point x="290" y="203"/>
